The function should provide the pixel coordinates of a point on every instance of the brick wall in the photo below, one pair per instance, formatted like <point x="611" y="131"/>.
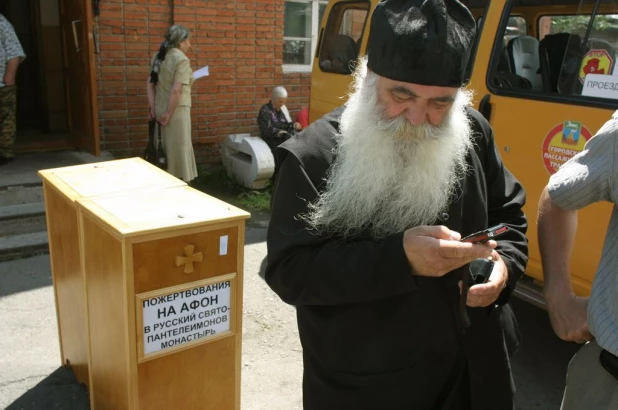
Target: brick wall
<point x="240" y="40"/>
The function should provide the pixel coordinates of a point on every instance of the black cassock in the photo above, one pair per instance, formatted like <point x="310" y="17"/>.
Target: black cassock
<point x="374" y="336"/>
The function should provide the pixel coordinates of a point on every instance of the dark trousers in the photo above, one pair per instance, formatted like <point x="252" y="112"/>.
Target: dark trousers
<point x="8" y="121"/>
<point x="273" y="143"/>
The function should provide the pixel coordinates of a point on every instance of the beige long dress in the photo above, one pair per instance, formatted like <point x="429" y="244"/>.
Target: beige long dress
<point x="176" y="135"/>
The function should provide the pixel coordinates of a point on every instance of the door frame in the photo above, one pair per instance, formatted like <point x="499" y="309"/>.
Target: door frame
<point x="94" y="145"/>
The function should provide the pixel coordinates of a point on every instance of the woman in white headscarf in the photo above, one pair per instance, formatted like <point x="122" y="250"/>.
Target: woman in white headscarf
<point x="169" y="98"/>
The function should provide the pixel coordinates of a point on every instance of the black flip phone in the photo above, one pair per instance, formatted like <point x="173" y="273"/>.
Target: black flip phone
<point x="486" y="234"/>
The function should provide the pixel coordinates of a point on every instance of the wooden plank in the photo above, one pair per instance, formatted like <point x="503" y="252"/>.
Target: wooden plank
<point x="239" y="297"/>
<point x="161" y="209"/>
<point x="197" y="378"/>
<point x="186" y="230"/>
<point x="130" y="318"/>
<point x="154" y="262"/>
<point x="108" y="178"/>
<point x="107" y="313"/>
<point x="68" y="281"/>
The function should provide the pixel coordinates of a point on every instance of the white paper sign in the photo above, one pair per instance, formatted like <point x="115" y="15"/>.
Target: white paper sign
<point x="183" y="317"/>
<point x="223" y="245"/>
<point x="601" y="85"/>
<point x="202" y="72"/>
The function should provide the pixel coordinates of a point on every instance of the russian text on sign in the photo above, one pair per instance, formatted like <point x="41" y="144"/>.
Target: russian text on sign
<point x="185" y="316"/>
<point x="601" y="86"/>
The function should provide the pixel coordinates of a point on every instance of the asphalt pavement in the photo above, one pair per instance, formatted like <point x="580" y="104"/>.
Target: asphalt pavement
<point x="31" y="376"/>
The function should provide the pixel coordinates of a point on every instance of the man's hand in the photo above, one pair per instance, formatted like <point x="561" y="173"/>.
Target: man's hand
<point x="164" y="119"/>
<point x="567" y="314"/>
<point x="436" y="250"/>
<point x="297" y="126"/>
<point x="152" y="113"/>
<point x="487" y="293"/>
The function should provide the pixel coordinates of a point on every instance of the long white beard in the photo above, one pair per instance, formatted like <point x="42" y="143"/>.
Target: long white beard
<point x="390" y="175"/>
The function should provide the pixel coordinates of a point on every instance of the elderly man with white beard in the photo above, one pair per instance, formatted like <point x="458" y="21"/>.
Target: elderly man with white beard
<point x="367" y="215"/>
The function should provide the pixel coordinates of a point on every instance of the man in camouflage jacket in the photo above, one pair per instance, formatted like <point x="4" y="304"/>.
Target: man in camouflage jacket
<point x="11" y="55"/>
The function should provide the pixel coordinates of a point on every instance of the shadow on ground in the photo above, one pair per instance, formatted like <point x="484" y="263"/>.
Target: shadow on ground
<point x="540" y="365"/>
<point x="22" y="275"/>
<point x="58" y="391"/>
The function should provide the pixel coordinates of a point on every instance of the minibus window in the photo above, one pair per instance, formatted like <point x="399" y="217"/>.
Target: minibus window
<point x="571" y="56"/>
<point x="515" y="28"/>
<point x="588" y="66"/>
<point x="342" y="37"/>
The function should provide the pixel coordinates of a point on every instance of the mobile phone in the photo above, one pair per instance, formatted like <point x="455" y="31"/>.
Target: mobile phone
<point x="486" y="234"/>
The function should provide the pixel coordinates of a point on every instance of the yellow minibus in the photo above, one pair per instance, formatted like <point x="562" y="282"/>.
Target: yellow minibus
<point x="544" y="74"/>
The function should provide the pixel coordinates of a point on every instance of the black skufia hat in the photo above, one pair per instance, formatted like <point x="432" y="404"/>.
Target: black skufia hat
<point x="424" y="42"/>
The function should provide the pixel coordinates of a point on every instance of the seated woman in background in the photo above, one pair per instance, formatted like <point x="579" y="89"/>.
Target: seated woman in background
<point x="275" y="123"/>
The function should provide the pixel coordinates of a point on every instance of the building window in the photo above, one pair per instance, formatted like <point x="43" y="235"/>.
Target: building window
<point x="300" y="33"/>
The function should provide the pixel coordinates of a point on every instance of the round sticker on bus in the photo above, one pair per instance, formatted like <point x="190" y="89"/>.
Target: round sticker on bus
<point x="563" y="142"/>
<point x="597" y="61"/>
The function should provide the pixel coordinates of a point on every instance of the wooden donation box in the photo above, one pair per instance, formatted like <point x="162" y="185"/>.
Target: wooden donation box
<point x="163" y="278"/>
<point x="62" y="187"/>
<point x="148" y="279"/>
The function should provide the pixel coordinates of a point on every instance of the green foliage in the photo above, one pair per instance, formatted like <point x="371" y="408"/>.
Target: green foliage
<point x="579" y="24"/>
<point x="217" y="183"/>
<point x="569" y="24"/>
<point x="255" y="200"/>
<point x="216" y="179"/>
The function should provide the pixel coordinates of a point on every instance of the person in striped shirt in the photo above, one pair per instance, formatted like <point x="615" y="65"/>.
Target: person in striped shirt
<point x="589" y="177"/>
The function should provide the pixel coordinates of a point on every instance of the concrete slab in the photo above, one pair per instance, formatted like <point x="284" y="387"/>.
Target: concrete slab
<point x="23" y="170"/>
<point x="28" y="326"/>
<point x="22" y="225"/>
<point x="21" y="211"/>
<point x="23" y="245"/>
<point x="20" y="194"/>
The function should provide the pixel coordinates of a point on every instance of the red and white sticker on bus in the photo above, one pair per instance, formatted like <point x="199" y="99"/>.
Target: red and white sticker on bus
<point x="562" y="143"/>
<point x="595" y="61"/>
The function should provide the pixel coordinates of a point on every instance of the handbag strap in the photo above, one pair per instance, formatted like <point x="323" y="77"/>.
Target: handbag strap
<point x="151" y="129"/>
